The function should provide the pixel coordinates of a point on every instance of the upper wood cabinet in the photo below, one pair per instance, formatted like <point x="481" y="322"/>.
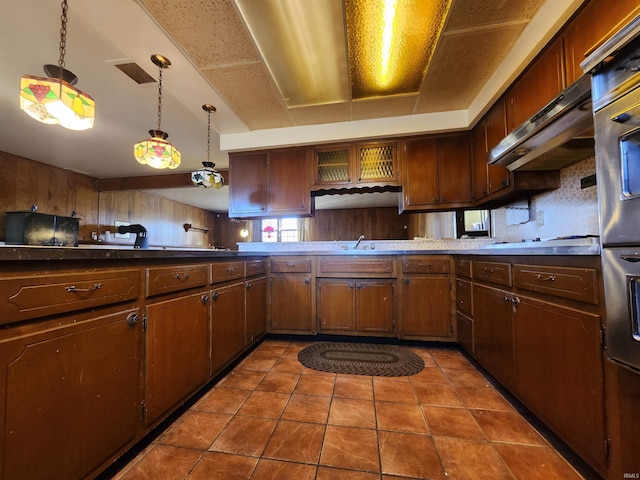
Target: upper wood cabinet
<point x="540" y="84"/>
<point x="489" y="179"/>
<point x="597" y="21"/>
<point x="359" y="165"/>
<point x="271" y="183"/>
<point x="436" y="173"/>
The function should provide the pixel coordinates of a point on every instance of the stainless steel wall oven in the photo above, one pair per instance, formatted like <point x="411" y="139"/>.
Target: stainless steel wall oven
<point x="615" y="68"/>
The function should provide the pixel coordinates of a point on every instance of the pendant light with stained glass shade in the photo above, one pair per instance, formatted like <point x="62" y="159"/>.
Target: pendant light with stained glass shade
<point x="156" y="151"/>
<point x="54" y="99"/>
<point x="207" y="176"/>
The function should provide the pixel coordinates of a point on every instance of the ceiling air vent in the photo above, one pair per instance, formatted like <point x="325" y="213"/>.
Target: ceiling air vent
<point x="135" y="72"/>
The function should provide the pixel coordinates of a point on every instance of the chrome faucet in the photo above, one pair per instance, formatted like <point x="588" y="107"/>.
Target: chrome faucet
<point x="360" y="238"/>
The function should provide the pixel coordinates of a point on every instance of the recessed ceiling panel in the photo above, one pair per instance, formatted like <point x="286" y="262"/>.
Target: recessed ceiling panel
<point x="302" y="44"/>
<point x="395" y="106"/>
<point x="391" y="44"/>
<point x="473" y="13"/>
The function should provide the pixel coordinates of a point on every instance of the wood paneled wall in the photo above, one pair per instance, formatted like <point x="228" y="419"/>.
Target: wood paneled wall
<point x="382" y="223"/>
<point x="24" y="183"/>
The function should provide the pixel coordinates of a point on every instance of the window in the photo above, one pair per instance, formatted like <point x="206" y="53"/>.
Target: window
<point x="279" y="230"/>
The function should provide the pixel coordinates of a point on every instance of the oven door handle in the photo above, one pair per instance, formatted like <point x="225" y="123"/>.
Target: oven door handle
<point x="631" y="258"/>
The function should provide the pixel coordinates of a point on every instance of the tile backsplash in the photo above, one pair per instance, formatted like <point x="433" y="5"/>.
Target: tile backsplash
<point x="568" y="210"/>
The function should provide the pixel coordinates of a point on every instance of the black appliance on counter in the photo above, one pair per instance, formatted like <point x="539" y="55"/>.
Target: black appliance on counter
<point x="615" y="68"/>
<point x="33" y="228"/>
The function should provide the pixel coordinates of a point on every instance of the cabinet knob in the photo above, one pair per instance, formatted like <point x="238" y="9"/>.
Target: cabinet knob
<point x="248" y="285"/>
<point x="215" y="295"/>
<point x="204" y="299"/>
<point x="132" y="319"/>
<point x="407" y="281"/>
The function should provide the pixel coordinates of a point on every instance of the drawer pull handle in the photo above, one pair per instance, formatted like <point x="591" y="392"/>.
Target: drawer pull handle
<point x="182" y="276"/>
<point x="550" y="278"/>
<point x="73" y="288"/>
<point x="132" y="319"/>
<point x="488" y="270"/>
<point x="229" y="270"/>
<point x="289" y="265"/>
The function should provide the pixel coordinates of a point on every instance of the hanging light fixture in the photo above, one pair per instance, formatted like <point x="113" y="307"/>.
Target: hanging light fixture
<point x="207" y="176"/>
<point x="156" y="151"/>
<point x="53" y="99"/>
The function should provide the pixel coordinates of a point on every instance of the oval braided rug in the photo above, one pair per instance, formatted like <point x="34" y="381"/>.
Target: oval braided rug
<point x="361" y="359"/>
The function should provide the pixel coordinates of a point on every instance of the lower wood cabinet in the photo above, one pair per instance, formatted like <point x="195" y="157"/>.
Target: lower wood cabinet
<point x="227" y="324"/>
<point x="493" y="332"/>
<point x="255" y="309"/>
<point x="364" y="306"/>
<point x="291" y="303"/>
<point x="426" y="306"/>
<point x="177" y="351"/>
<point x="70" y="394"/>
<point x="291" y="295"/>
<point x="559" y="370"/>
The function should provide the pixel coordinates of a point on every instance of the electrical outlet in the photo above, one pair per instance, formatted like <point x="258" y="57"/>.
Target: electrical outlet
<point x="124" y="224"/>
<point x="540" y="219"/>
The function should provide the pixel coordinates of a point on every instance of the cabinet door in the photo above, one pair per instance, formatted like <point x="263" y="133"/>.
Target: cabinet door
<point x="227" y="324"/>
<point x="290" y="303"/>
<point x="255" y="309"/>
<point x="375" y="306"/>
<point x="540" y="84"/>
<point x="493" y="332"/>
<point x="496" y="123"/>
<point x="333" y="166"/>
<point x="247" y="184"/>
<point x="377" y="163"/>
<point x="336" y="304"/>
<point x="480" y="167"/>
<point x="70" y="395"/>
<point x="559" y="368"/>
<point x="177" y="352"/>
<point x="426" y="306"/>
<point x="420" y="173"/>
<point x="289" y="186"/>
<point x="594" y="24"/>
<point x="454" y="170"/>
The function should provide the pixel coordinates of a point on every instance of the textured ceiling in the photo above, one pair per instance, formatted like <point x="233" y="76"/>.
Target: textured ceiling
<point x="478" y="34"/>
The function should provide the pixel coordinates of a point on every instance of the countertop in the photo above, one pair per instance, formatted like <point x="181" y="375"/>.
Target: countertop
<point x="580" y="246"/>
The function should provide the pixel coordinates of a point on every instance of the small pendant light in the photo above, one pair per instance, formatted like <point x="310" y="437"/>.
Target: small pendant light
<point x="207" y="177"/>
<point x="53" y="99"/>
<point x="156" y="151"/>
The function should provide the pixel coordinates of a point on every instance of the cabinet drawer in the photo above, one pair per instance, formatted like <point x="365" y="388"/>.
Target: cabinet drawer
<point x="291" y="265"/>
<point x="493" y="272"/>
<point x="363" y="265"/>
<point x="174" y="278"/>
<point x="463" y="268"/>
<point x="463" y="297"/>
<point x="224" y="271"/>
<point x="566" y="282"/>
<point x="24" y="298"/>
<point x="255" y="267"/>
<point x="425" y="264"/>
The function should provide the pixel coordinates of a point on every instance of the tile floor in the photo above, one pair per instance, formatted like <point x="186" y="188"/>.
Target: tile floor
<point x="272" y="418"/>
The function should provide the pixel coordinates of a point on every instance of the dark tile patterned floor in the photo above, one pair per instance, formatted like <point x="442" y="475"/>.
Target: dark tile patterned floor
<point x="272" y="418"/>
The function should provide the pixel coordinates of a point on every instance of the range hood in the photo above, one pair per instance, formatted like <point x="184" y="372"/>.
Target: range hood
<point x="558" y="135"/>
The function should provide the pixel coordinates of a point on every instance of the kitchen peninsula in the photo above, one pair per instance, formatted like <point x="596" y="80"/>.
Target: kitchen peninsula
<point x="67" y="309"/>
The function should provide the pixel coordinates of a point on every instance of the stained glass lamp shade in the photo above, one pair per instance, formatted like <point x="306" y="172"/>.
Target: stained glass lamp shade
<point x="207" y="177"/>
<point x="156" y="151"/>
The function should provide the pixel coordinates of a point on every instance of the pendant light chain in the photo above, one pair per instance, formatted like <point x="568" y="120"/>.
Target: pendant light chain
<point x="208" y="133"/>
<point x="159" y="97"/>
<point x="63" y="36"/>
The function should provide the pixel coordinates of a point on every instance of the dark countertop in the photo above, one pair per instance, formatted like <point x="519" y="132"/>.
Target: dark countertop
<point x="31" y="253"/>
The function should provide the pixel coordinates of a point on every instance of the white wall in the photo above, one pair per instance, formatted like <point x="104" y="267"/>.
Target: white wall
<point x="568" y="210"/>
